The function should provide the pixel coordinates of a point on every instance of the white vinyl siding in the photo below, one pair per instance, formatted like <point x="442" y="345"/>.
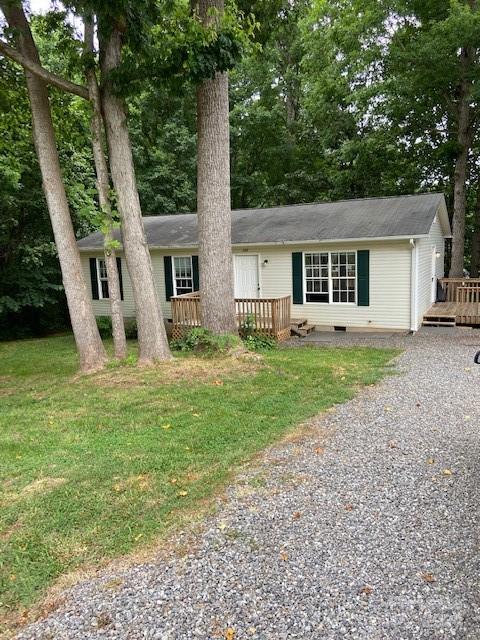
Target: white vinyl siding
<point x="390" y="263"/>
<point x="425" y="248"/>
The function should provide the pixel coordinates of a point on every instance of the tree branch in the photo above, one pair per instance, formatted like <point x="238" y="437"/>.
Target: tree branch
<point x="39" y="71"/>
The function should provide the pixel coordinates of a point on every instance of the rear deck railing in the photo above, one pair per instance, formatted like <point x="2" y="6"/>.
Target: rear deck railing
<point x="451" y="286"/>
<point x="265" y="316"/>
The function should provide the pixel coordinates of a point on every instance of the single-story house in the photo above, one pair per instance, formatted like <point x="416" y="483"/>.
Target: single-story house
<point x="370" y="263"/>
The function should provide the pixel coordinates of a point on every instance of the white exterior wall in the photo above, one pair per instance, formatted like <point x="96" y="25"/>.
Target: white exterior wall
<point x="390" y="264"/>
<point x="435" y="243"/>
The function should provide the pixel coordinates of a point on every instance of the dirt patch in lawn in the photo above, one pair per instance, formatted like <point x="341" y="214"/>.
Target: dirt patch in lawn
<point x="194" y="369"/>
<point x="42" y="485"/>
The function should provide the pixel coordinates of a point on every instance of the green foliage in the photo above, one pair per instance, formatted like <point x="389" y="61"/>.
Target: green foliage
<point x="126" y="452"/>
<point x="259" y="342"/>
<point x="200" y="340"/>
<point x="131" y="329"/>
<point x="104" y="324"/>
<point x="248" y="326"/>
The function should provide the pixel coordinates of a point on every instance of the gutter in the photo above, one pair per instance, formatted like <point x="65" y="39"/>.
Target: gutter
<point x="279" y="243"/>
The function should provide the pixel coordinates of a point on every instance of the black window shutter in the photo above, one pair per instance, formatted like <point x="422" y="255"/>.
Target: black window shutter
<point x="196" y="273"/>
<point x="120" y="277"/>
<point x="167" y="265"/>
<point x="297" y="277"/>
<point x="93" y="278"/>
<point x="363" y="278"/>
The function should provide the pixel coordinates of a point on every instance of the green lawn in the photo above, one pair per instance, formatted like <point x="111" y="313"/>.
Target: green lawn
<point x="94" y="467"/>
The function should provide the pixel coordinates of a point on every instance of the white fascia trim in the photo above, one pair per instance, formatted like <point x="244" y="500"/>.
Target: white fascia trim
<point x="294" y="243"/>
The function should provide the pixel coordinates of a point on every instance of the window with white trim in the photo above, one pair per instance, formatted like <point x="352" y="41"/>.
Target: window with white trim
<point x="182" y="275"/>
<point x="331" y="277"/>
<point x="102" y="279"/>
<point x="316" y="277"/>
<point x="344" y="276"/>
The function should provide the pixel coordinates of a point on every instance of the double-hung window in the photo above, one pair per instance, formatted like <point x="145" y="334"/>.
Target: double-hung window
<point x="344" y="273"/>
<point x="182" y="275"/>
<point x="316" y="277"/>
<point x="331" y="277"/>
<point x="102" y="279"/>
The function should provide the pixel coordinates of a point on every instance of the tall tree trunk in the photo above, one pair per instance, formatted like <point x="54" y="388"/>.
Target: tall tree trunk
<point x="87" y="338"/>
<point x="475" y="270"/>
<point x="103" y="188"/>
<point x="152" y="337"/>
<point x="217" y="301"/>
<point x="464" y="141"/>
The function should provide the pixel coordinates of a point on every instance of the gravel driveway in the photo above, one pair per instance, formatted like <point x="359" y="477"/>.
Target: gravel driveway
<point x="366" y="529"/>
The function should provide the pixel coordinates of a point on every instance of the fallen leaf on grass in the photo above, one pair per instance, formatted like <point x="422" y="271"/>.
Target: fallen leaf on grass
<point x="182" y="494"/>
<point x="230" y="634"/>
<point x="284" y="556"/>
<point x="218" y="383"/>
<point x="427" y="577"/>
<point x="447" y="472"/>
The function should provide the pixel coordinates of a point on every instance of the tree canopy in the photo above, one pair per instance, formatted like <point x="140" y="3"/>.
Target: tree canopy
<point x="329" y="99"/>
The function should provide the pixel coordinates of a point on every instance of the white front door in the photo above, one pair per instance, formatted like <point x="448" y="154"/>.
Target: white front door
<point x="246" y="276"/>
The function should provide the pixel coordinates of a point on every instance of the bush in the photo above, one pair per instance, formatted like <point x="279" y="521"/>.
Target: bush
<point x="201" y="340"/>
<point x="104" y="324"/>
<point x="131" y="329"/>
<point x="259" y="343"/>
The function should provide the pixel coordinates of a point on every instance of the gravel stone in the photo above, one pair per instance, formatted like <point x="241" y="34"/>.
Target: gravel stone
<point x="375" y="537"/>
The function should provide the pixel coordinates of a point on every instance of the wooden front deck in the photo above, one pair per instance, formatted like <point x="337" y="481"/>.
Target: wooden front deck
<point x="265" y="316"/>
<point x="461" y="305"/>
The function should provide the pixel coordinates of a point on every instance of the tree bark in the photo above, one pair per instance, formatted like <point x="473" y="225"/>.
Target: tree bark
<point x="152" y="337"/>
<point x="217" y="302"/>
<point x="464" y="141"/>
<point x="43" y="74"/>
<point x="85" y="330"/>
<point x="103" y="188"/>
<point x="475" y="268"/>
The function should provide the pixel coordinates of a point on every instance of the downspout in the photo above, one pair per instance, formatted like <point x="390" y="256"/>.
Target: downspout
<point x="413" y="287"/>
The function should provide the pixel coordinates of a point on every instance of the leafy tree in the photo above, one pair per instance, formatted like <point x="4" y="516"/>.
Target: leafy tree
<point x="87" y="337"/>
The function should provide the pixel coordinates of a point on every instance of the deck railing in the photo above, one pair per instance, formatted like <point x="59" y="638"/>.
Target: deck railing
<point x="468" y="295"/>
<point x="265" y="316"/>
<point x="451" y="286"/>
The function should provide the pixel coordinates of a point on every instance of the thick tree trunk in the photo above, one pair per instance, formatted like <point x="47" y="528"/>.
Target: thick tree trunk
<point x="464" y="140"/>
<point x="103" y="188"/>
<point x="87" y="338"/>
<point x="475" y="270"/>
<point x="217" y="301"/>
<point x="152" y="337"/>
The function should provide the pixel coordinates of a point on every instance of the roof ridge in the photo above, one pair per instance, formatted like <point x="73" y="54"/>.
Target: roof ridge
<point x="304" y="204"/>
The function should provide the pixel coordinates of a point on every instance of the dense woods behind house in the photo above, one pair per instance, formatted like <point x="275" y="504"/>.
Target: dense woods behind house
<point x="328" y="100"/>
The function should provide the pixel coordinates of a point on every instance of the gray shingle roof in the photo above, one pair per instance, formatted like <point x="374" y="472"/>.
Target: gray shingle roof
<point x="348" y="219"/>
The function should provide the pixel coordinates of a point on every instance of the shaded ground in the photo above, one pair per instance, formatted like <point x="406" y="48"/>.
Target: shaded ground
<point x="368" y="527"/>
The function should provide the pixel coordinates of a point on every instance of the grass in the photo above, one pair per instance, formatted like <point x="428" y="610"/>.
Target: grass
<point x="96" y="467"/>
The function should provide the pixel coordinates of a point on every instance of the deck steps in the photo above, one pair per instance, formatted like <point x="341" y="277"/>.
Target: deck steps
<point x="300" y="327"/>
<point x="438" y="320"/>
